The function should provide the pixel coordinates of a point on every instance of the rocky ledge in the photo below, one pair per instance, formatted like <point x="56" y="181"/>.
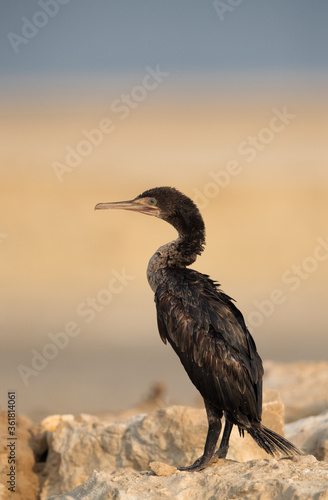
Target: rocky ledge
<point x="303" y="478"/>
<point x="135" y="456"/>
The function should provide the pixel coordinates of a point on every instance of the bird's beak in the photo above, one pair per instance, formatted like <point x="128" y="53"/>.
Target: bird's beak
<point x="134" y="205"/>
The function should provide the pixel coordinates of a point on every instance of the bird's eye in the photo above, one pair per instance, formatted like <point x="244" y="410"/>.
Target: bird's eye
<point x="152" y="201"/>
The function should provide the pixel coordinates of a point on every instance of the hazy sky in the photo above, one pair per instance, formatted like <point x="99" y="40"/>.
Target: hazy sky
<point x="57" y="251"/>
<point x="80" y="36"/>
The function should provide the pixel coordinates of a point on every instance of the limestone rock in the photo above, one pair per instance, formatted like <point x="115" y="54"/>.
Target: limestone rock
<point x="63" y="453"/>
<point x="174" y="435"/>
<point x="310" y="434"/>
<point x="298" y="479"/>
<point x="302" y="386"/>
<point x="161" y="469"/>
<point x="27" y="482"/>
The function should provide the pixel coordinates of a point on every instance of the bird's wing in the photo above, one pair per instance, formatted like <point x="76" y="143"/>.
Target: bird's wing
<point x="209" y="335"/>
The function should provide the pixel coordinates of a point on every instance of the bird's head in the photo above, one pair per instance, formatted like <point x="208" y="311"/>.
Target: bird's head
<point x="166" y="203"/>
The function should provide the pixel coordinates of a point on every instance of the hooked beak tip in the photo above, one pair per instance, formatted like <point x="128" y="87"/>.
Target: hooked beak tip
<point x="100" y="206"/>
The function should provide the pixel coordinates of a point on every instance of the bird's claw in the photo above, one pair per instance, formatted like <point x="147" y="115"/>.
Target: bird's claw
<point x="199" y="464"/>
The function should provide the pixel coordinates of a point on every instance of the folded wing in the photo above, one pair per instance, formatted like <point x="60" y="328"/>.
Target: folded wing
<point x="209" y="334"/>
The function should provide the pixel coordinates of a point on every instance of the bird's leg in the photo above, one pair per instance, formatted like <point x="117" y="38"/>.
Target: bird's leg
<point x="213" y="433"/>
<point x="224" y="445"/>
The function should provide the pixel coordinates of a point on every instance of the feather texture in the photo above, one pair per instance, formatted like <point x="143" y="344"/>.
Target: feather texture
<point x="209" y="335"/>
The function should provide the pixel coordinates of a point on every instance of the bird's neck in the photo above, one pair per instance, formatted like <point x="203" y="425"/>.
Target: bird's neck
<point x="178" y="253"/>
<point x="184" y="250"/>
<point x="191" y="229"/>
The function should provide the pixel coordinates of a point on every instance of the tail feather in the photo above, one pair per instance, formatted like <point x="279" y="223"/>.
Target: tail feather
<point x="271" y="442"/>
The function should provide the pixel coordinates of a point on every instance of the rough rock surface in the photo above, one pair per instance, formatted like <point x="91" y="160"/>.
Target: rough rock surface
<point x="302" y="478"/>
<point x="311" y="435"/>
<point x="174" y="435"/>
<point x="104" y="457"/>
<point x="27" y="481"/>
<point x="302" y="386"/>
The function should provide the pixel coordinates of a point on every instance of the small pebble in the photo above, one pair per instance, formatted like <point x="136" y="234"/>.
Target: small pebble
<point x="161" y="469"/>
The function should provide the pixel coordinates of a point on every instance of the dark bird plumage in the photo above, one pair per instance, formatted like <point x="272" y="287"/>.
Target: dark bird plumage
<point x="205" y="328"/>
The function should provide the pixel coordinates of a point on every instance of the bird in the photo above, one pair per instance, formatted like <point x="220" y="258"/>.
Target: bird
<point x="205" y="328"/>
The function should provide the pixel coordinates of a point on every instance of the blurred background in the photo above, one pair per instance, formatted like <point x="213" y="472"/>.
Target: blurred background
<point x="227" y="102"/>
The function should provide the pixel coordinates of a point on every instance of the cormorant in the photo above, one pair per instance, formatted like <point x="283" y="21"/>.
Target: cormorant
<point x="205" y="328"/>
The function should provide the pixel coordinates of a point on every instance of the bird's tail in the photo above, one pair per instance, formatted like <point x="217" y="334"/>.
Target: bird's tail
<point x="271" y="442"/>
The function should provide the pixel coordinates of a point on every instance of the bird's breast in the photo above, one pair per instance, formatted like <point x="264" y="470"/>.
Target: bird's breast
<point x="155" y="265"/>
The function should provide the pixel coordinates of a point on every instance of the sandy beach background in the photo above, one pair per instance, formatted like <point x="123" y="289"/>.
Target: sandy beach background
<point x="66" y="268"/>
